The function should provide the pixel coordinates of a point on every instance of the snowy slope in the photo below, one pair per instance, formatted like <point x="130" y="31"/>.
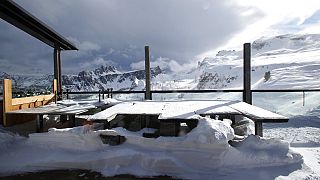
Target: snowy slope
<point x="291" y="59"/>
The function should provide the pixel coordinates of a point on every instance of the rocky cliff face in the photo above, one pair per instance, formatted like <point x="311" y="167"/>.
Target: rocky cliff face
<point x="214" y="81"/>
<point x="108" y="77"/>
<point x="99" y="79"/>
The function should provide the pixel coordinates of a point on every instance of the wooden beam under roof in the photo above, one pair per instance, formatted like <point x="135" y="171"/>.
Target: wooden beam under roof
<point x="22" y="19"/>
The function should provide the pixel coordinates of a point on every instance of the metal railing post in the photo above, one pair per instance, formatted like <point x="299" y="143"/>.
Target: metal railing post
<point x="67" y="93"/>
<point x="99" y="95"/>
<point x="247" y="93"/>
<point x="147" y="73"/>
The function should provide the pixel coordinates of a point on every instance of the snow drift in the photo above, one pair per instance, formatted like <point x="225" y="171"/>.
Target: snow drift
<point x="197" y="155"/>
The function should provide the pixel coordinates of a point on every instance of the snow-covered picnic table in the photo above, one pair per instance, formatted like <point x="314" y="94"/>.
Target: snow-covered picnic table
<point x="68" y="108"/>
<point x="184" y="110"/>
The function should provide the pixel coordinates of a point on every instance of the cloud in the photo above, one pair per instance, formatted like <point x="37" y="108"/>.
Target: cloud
<point x="118" y="30"/>
<point x="276" y="17"/>
<point x="95" y="63"/>
<point x="165" y="64"/>
<point x="176" y="29"/>
<point x="85" y="45"/>
<point x="310" y="29"/>
<point x="280" y="17"/>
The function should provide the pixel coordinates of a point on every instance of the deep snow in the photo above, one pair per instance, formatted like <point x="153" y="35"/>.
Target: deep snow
<point x="204" y="153"/>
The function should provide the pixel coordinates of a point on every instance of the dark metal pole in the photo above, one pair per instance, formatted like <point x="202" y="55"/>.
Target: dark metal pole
<point x="247" y="93"/>
<point x="258" y="128"/>
<point x="39" y="123"/>
<point x="67" y="93"/>
<point x="57" y="70"/>
<point x="56" y="65"/>
<point x="55" y="97"/>
<point x="147" y="72"/>
<point x="60" y="76"/>
<point x="99" y="95"/>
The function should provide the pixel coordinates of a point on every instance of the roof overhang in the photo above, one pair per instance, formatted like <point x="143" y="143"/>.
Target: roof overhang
<point x="22" y="19"/>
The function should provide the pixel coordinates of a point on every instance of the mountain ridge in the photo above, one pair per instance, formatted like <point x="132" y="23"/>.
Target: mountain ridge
<point x="287" y="59"/>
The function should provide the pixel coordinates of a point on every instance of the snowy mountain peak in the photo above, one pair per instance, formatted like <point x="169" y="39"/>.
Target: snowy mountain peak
<point x="102" y="70"/>
<point x="267" y="46"/>
<point x="285" y="44"/>
<point x="108" y="77"/>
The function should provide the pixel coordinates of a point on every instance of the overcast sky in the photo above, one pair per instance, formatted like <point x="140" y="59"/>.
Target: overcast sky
<point x="179" y="32"/>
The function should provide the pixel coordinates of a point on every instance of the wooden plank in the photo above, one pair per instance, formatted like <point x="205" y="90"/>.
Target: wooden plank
<point x="56" y="109"/>
<point x="1" y="112"/>
<point x="35" y="100"/>
<point x="39" y="110"/>
<point x="72" y="112"/>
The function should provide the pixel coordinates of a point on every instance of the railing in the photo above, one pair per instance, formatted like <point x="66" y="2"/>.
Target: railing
<point x="299" y="100"/>
<point x="110" y="93"/>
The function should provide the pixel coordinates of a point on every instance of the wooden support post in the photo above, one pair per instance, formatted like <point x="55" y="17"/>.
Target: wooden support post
<point x="57" y="71"/>
<point x="258" y="128"/>
<point x="7" y="98"/>
<point x="56" y="64"/>
<point x="111" y="95"/>
<point x="39" y="123"/>
<point x="147" y="73"/>
<point x="54" y="89"/>
<point x="247" y="93"/>
<point x="108" y="90"/>
<point x="73" y="119"/>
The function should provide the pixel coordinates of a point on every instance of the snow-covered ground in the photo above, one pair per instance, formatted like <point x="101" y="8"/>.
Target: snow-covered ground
<point x="204" y="153"/>
<point x="288" y="151"/>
